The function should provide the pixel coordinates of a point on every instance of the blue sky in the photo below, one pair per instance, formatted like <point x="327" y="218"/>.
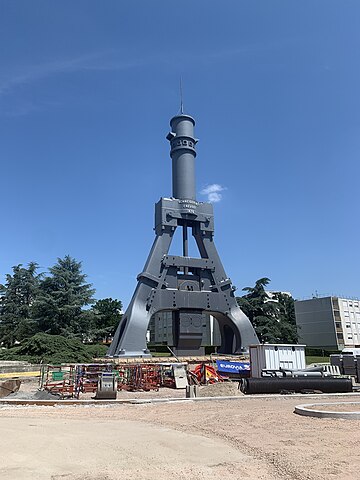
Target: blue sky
<point x="87" y="89"/>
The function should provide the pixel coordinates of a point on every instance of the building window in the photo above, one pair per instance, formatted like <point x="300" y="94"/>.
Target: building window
<point x="348" y="325"/>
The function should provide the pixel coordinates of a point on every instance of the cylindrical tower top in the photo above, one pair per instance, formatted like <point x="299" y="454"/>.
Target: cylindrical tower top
<point x="183" y="155"/>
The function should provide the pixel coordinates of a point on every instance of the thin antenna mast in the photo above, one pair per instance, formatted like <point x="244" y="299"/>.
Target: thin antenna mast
<point x="181" y="97"/>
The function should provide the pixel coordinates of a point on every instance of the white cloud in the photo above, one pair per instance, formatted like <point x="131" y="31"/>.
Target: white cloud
<point x="213" y="192"/>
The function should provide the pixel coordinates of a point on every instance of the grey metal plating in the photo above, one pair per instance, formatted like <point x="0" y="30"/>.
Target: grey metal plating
<point x="182" y="284"/>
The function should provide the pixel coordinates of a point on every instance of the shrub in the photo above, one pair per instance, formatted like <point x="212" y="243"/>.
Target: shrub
<point x="46" y="348"/>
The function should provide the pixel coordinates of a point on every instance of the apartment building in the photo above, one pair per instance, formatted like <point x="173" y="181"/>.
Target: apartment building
<point x="329" y="322"/>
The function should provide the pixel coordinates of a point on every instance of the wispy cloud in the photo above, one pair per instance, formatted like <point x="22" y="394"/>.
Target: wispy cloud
<point x="95" y="61"/>
<point x="112" y="60"/>
<point x="31" y="73"/>
<point x="213" y="192"/>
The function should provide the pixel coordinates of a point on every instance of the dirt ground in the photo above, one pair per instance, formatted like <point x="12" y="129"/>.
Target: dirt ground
<point x="337" y="407"/>
<point x="250" y="437"/>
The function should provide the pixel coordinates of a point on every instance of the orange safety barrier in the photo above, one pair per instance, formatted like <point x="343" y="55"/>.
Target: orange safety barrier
<point x="207" y="374"/>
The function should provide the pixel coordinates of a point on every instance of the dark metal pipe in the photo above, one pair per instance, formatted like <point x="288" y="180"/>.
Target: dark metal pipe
<point x="277" y="385"/>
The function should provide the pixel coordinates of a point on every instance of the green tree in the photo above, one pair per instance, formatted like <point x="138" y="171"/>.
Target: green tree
<point x="17" y="297"/>
<point x="287" y="318"/>
<point x="63" y="294"/>
<point x="273" y="317"/>
<point x="107" y="315"/>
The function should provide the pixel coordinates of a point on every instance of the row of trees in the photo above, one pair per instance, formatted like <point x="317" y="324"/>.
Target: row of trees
<point x="59" y="302"/>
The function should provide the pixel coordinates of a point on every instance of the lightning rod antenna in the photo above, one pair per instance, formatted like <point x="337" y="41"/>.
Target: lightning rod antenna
<point x="181" y="97"/>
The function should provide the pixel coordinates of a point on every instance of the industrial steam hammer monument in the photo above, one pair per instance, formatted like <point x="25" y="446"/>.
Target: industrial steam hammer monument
<point x="184" y="285"/>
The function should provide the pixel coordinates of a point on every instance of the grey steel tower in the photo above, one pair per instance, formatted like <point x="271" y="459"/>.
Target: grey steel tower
<point x="184" y="285"/>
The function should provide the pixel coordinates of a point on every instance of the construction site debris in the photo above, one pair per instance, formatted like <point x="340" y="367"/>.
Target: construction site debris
<point x="58" y="380"/>
<point x="222" y="389"/>
<point x="206" y="374"/>
<point x="139" y="377"/>
<point x="106" y="387"/>
<point x="68" y="381"/>
<point x="87" y="376"/>
<point x="9" y="386"/>
<point x="295" y="385"/>
<point x="348" y="364"/>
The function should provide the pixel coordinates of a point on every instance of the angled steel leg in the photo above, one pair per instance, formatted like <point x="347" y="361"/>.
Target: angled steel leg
<point x="236" y="330"/>
<point x="130" y="336"/>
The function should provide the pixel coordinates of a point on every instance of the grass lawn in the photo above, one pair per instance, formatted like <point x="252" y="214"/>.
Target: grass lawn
<point x="310" y="359"/>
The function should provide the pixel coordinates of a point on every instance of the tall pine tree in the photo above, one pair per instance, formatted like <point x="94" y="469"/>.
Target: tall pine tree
<point x="107" y="315"/>
<point x="272" y="316"/>
<point x="63" y="294"/>
<point x="17" y="297"/>
<point x="287" y="318"/>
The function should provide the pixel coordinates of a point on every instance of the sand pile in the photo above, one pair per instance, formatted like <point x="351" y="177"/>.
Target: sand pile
<point x="221" y="389"/>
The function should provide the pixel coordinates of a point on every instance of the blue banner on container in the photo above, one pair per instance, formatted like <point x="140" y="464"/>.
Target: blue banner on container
<point x="232" y="367"/>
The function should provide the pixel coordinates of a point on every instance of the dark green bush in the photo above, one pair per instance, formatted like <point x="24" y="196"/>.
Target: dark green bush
<point x="96" y="350"/>
<point x="48" y="349"/>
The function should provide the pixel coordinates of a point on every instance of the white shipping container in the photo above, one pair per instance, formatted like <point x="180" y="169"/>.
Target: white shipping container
<point x="267" y="356"/>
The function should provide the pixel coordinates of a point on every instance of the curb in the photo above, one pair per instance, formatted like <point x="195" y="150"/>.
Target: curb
<point x="137" y="401"/>
<point x="307" y="411"/>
